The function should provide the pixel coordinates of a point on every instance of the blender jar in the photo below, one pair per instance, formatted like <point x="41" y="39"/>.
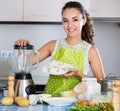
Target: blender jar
<point x="23" y="57"/>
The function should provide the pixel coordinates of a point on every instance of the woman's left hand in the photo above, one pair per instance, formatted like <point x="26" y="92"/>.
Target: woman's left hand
<point x="72" y="72"/>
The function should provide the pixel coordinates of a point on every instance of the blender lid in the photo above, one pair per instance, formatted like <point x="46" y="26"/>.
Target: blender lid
<point x="27" y="47"/>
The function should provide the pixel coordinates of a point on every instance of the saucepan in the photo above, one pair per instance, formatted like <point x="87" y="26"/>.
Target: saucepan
<point x="108" y="82"/>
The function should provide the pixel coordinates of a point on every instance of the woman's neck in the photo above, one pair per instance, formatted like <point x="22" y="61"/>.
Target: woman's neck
<point x="73" y="41"/>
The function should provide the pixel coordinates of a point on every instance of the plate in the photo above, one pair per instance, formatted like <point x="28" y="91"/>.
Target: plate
<point x="37" y="98"/>
<point x="60" y="101"/>
<point x="57" y="68"/>
<point x="43" y="96"/>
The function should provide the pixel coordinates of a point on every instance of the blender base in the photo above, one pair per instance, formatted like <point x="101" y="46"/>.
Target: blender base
<point x="24" y="85"/>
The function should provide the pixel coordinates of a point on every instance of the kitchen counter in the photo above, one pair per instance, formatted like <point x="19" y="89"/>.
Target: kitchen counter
<point x="38" y="107"/>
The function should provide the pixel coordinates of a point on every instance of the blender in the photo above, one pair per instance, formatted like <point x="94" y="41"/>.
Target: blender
<point x="22" y="66"/>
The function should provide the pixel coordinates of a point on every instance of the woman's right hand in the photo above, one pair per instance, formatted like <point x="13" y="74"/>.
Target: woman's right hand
<point x="22" y="42"/>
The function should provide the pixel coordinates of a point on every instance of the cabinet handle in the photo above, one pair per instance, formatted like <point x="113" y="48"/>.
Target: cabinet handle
<point x="42" y="15"/>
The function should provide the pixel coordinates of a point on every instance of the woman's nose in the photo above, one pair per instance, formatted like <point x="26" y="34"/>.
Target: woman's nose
<point x="70" y="24"/>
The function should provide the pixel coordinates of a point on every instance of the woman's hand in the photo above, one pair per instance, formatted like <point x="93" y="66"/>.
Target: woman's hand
<point x="22" y="42"/>
<point x="72" y="72"/>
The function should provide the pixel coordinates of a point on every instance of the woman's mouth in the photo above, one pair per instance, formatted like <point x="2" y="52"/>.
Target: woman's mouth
<point x="71" y="30"/>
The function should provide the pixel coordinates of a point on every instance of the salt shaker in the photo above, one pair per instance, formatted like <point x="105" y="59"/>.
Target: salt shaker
<point x="10" y="86"/>
<point x="116" y="95"/>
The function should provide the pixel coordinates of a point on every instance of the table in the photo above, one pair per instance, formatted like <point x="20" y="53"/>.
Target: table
<point x="38" y="107"/>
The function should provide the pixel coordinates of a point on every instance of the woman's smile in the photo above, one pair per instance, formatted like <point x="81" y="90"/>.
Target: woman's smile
<point x="71" y="30"/>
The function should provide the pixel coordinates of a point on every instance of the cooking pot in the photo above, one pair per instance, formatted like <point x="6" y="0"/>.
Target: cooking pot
<point x="108" y="82"/>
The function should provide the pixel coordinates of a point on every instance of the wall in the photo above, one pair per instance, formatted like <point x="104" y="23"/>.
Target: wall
<point x="118" y="54"/>
<point x="107" y="41"/>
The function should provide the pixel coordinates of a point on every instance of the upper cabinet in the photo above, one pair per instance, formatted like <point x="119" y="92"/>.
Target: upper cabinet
<point x="50" y="10"/>
<point x="104" y="8"/>
<point x="100" y="8"/>
<point x="42" y="10"/>
<point x="11" y="10"/>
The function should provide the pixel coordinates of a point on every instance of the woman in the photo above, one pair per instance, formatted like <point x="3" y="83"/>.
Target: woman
<point x="76" y="49"/>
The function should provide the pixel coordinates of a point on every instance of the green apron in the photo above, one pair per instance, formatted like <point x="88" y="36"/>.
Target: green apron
<point x="57" y="83"/>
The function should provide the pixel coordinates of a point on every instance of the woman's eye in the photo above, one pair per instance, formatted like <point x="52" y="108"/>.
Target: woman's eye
<point x="75" y="20"/>
<point x="64" y="21"/>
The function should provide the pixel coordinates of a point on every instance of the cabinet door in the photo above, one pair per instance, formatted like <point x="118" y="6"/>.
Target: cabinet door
<point x="100" y="8"/>
<point x="42" y="10"/>
<point x="104" y="8"/>
<point x="11" y="10"/>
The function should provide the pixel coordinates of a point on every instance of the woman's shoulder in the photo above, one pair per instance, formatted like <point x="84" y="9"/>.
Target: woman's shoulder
<point x="52" y="42"/>
<point x="51" y="45"/>
<point x="93" y="52"/>
<point x="93" y="49"/>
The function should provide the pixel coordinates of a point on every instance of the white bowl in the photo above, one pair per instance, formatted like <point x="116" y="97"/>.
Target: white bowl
<point x="57" y="68"/>
<point x="60" y="101"/>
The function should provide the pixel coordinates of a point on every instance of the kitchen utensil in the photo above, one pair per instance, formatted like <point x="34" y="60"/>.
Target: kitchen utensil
<point x="108" y="82"/>
<point x="22" y="66"/>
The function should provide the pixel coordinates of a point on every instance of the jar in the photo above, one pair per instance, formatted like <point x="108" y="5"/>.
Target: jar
<point x="117" y="82"/>
<point x="116" y="97"/>
<point x="116" y="92"/>
<point x="107" y="83"/>
<point x="93" y="88"/>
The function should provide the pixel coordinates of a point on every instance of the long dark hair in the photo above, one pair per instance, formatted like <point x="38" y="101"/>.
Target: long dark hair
<point x="87" y="30"/>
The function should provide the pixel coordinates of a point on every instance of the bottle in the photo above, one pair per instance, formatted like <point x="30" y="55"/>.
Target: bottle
<point x="116" y="95"/>
<point x="93" y="88"/>
<point x="10" y="86"/>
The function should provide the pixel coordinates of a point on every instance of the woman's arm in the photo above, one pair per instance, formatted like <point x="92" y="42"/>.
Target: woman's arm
<point x="96" y="63"/>
<point x="45" y="51"/>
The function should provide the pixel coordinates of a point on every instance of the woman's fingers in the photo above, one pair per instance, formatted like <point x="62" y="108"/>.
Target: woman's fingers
<point x="22" y="42"/>
<point x="71" y="73"/>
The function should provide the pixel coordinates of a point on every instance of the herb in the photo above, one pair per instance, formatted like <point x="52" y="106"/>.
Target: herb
<point x="78" y="107"/>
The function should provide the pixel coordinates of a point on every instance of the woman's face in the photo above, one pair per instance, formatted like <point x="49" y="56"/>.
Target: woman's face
<point x="72" y="22"/>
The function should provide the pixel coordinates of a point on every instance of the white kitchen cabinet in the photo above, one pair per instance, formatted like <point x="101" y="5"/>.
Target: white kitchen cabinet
<point x="42" y="10"/>
<point x="50" y="10"/>
<point x="105" y="8"/>
<point x="101" y="8"/>
<point x="11" y="10"/>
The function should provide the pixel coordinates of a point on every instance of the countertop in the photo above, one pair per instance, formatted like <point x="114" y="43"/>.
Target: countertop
<point x="38" y="107"/>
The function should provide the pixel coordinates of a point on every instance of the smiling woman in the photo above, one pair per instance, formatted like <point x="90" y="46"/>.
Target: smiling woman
<point x="76" y="49"/>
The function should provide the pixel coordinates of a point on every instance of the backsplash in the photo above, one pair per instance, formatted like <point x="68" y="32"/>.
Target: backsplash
<point x="107" y="40"/>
